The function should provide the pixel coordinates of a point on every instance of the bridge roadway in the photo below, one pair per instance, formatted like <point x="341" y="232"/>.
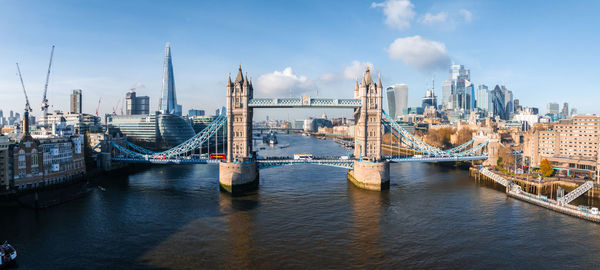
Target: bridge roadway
<point x="304" y="102"/>
<point x="271" y="162"/>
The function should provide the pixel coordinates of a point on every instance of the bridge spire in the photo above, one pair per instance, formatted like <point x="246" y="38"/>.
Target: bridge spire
<point x="240" y="76"/>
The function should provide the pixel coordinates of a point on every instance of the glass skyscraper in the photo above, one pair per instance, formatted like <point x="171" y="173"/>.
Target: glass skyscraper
<point x="397" y="96"/>
<point x="168" y="98"/>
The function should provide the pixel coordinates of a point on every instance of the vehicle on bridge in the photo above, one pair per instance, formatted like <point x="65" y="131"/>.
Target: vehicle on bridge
<point x="218" y="156"/>
<point x="303" y="157"/>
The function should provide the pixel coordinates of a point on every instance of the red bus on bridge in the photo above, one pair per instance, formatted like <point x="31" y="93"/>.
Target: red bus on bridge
<point x="218" y="156"/>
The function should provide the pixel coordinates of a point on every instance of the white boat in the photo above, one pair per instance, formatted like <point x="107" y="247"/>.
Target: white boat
<point x="8" y="254"/>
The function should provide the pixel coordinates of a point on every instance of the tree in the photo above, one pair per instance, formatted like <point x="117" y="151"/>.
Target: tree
<point x="546" y="168"/>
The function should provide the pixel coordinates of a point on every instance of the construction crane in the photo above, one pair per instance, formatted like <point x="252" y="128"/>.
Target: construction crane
<point x="27" y="107"/>
<point x="98" y="107"/>
<point x="45" y="99"/>
<point x="116" y="107"/>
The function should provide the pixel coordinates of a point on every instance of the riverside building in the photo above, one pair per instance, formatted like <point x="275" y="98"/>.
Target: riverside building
<point x="571" y="145"/>
<point x="41" y="162"/>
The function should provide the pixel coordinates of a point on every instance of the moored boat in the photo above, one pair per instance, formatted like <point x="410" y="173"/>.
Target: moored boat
<point x="8" y="254"/>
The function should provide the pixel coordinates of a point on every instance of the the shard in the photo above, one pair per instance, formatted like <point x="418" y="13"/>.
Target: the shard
<point x="168" y="98"/>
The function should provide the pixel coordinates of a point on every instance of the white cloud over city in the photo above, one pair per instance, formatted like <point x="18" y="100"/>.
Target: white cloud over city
<point x="398" y="13"/>
<point x="353" y="71"/>
<point x="279" y="83"/>
<point x="421" y="53"/>
<point x="430" y="18"/>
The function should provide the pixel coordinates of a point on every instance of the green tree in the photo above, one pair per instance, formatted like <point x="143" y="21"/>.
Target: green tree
<point x="546" y="168"/>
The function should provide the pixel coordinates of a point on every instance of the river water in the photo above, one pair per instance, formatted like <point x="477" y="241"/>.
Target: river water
<point x="302" y="217"/>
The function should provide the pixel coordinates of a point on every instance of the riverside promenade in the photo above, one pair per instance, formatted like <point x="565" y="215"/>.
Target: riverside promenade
<point x="514" y="190"/>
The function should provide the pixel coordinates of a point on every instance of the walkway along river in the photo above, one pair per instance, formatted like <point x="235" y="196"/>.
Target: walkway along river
<point x="306" y="216"/>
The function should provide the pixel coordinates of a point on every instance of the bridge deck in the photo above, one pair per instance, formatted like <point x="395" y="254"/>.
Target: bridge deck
<point x="305" y="102"/>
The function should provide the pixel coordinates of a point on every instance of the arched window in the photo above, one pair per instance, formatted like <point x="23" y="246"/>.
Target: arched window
<point x="34" y="158"/>
<point x="21" y="159"/>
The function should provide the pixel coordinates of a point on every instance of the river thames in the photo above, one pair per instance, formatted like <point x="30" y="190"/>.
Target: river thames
<point x="301" y="217"/>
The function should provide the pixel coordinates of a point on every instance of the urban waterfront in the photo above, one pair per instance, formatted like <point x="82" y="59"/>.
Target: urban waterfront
<point x="303" y="216"/>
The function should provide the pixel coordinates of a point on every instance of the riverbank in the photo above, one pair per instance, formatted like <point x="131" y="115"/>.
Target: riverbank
<point x="546" y="187"/>
<point x="515" y="190"/>
<point x="51" y="195"/>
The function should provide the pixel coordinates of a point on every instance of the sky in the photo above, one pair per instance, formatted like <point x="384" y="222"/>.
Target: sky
<point x="544" y="51"/>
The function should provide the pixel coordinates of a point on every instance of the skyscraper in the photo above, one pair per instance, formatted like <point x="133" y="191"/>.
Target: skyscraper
<point x="509" y="107"/>
<point x="458" y="91"/>
<point x="76" y="101"/>
<point x="168" y="100"/>
<point x="447" y="94"/>
<point x="135" y="105"/>
<point x="498" y="102"/>
<point x="397" y="96"/>
<point x="482" y="98"/>
<point x="565" y="109"/>
<point x="552" y="108"/>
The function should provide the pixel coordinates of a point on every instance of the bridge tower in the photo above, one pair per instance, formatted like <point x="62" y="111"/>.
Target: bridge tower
<point x="370" y="170"/>
<point x="239" y="173"/>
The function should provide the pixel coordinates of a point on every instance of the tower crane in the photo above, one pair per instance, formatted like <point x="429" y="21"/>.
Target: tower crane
<point x="27" y="107"/>
<point x="45" y="99"/>
<point x="98" y="107"/>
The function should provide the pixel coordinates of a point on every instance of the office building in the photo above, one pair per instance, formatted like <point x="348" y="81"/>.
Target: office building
<point x="509" y="107"/>
<point x="135" y="105"/>
<point x="552" y="108"/>
<point x="47" y="161"/>
<point x="498" y="103"/>
<point x="397" y="96"/>
<point x="193" y="112"/>
<point x="76" y="101"/>
<point x="458" y="91"/>
<point x="154" y="130"/>
<point x="429" y="100"/>
<point x="565" y="110"/>
<point x="4" y="163"/>
<point x="483" y="98"/>
<point x="82" y="122"/>
<point x="571" y="145"/>
<point x="168" y="99"/>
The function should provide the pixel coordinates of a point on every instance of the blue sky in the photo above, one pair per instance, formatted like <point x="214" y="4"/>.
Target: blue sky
<point x="544" y="51"/>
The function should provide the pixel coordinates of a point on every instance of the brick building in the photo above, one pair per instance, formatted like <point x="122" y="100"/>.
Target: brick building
<point x="46" y="161"/>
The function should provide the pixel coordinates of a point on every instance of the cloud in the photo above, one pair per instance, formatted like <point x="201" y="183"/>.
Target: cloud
<point x="429" y="18"/>
<point x="398" y="13"/>
<point x="421" y="53"/>
<point x="353" y="71"/>
<point x="467" y="15"/>
<point x="279" y="83"/>
<point x="357" y="69"/>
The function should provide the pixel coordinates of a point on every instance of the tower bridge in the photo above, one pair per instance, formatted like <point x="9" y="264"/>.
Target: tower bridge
<point x="368" y="168"/>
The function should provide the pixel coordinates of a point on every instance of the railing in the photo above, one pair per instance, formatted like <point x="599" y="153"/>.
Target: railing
<point x="578" y="192"/>
<point x="303" y="102"/>
<point x="499" y="179"/>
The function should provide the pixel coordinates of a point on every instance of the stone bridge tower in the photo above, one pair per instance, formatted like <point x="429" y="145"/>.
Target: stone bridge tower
<point x="239" y="118"/>
<point x="367" y="130"/>
<point x="240" y="172"/>
<point x="370" y="170"/>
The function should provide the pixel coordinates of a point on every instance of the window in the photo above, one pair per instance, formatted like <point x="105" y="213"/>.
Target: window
<point x="34" y="158"/>
<point x="21" y="159"/>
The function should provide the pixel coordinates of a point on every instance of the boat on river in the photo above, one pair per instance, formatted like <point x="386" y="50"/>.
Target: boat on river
<point x="8" y="254"/>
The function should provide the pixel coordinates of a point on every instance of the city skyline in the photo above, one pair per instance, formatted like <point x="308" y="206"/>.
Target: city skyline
<point x="111" y="51"/>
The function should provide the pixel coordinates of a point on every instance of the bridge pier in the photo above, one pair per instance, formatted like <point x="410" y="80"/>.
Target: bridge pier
<point x="237" y="178"/>
<point x="370" y="175"/>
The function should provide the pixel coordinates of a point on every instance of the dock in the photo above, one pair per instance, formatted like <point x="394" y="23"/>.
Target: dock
<point x="560" y="205"/>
